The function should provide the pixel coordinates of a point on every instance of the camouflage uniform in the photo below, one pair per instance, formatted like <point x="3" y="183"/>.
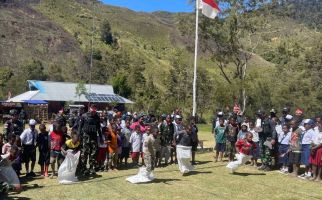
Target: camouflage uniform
<point x="89" y="128"/>
<point x="167" y="131"/>
<point x="267" y="134"/>
<point x="15" y="127"/>
<point x="149" y="151"/>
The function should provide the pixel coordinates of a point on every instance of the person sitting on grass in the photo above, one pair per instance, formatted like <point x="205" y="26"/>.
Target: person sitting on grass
<point x="43" y="147"/>
<point x="245" y="147"/>
<point x="220" y="137"/>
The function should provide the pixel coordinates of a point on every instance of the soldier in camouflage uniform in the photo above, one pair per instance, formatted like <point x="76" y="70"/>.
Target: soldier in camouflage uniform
<point x="268" y="135"/>
<point x="167" y="131"/>
<point x="14" y="125"/>
<point x="89" y="128"/>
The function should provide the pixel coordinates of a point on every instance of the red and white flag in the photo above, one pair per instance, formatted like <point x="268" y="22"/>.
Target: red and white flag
<point x="209" y="8"/>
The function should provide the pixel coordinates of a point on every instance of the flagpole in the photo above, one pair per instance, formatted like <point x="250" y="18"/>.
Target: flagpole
<point x="194" y="103"/>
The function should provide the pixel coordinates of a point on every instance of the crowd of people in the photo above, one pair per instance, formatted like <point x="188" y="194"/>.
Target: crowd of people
<point x="285" y="143"/>
<point x="106" y="141"/>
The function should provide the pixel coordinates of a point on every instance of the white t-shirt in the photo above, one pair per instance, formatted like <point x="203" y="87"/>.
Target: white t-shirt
<point x="284" y="138"/>
<point x="308" y="136"/>
<point x="317" y="138"/>
<point x="135" y="140"/>
<point x="29" y="137"/>
<point x="255" y="135"/>
<point x="258" y="122"/>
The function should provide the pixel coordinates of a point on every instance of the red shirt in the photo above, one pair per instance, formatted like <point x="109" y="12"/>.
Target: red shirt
<point x="243" y="143"/>
<point x="56" y="140"/>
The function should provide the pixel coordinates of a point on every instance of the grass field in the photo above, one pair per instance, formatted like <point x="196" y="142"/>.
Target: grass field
<point x="209" y="181"/>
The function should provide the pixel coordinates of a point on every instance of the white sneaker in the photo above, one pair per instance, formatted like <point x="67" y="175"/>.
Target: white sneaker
<point x="302" y="176"/>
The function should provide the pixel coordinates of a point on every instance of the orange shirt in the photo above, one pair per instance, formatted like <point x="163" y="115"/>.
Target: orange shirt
<point x="112" y="142"/>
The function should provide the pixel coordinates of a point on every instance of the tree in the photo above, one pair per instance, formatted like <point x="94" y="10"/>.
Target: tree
<point x="226" y="44"/>
<point x="121" y="86"/>
<point x="80" y="89"/>
<point x="106" y="33"/>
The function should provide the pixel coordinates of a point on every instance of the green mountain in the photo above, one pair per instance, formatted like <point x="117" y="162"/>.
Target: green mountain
<point x="150" y="56"/>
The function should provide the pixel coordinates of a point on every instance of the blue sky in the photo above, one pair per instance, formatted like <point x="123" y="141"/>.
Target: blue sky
<point x="153" y="5"/>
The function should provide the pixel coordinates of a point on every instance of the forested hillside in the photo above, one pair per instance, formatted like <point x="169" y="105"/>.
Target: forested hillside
<point x="264" y="55"/>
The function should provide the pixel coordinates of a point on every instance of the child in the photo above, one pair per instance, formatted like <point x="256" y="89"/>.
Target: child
<point x="112" y="147"/>
<point x="307" y="140"/>
<point x="6" y="147"/>
<point x="56" y="139"/>
<point x="295" y="147"/>
<point x="255" y="153"/>
<point x="283" y="147"/>
<point x="125" y="137"/>
<point x="220" y="137"/>
<point x="145" y="135"/>
<point x="135" y="141"/>
<point x="72" y="144"/>
<point x="7" y="173"/>
<point x="102" y="150"/>
<point x="158" y="158"/>
<point x="43" y="147"/>
<point x="231" y="138"/>
<point x="245" y="148"/>
<point x="242" y="133"/>
<point x="119" y="145"/>
<point x="316" y="154"/>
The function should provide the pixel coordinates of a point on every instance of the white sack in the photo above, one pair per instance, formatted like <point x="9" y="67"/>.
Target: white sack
<point x="184" y="158"/>
<point x="67" y="170"/>
<point x="241" y="159"/>
<point x="143" y="176"/>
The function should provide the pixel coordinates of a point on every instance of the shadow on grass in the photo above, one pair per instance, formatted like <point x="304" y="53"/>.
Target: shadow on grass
<point x="88" y="178"/>
<point x="12" y="197"/>
<point x="203" y="162"/>
<point x="248" y="174"/>
<point x="198" y="172"/>
<point x="161" y="180"/>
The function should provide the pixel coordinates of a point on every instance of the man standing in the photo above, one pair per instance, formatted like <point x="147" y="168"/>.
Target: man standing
<point x="149" y="149"/>
<point x="267" y="139"/>
<point x="167" y="131"/>
<point x="28" y="141"/>
<point x="14" y="125"/>
<point x="89" y="128"/>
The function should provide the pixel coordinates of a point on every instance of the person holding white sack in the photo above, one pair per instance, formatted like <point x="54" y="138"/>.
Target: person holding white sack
<point x="184" y="146"/>
<point x="149" y="150"/>
<point x="245" y="147"/>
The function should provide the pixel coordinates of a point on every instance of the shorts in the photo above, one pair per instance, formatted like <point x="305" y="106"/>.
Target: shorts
<point x="305" y="155"/>
<point x="125" y="152"/>
<point x="28" y="153"/>
<point x="294" y="158"/>
<point x="56" y="155"/>
<point x="220" y="147"/>
<point x="101" y="156"/>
